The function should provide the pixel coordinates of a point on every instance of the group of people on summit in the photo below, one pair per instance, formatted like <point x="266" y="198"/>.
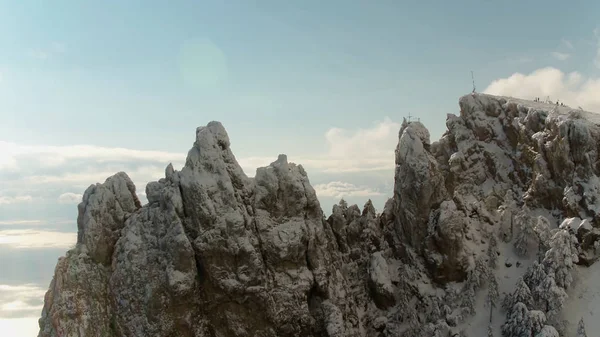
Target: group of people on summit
<point x="537" y="99"/>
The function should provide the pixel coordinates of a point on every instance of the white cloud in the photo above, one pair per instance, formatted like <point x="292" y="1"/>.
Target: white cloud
<point x="46" y="171"/>
<point x="560" y="56"/>
<point x="21" y="222"/>
<point x="573" y="89"/>
<point x="39" y="168"/>
<point x="91" y="177"/>
<point x="374" y="142"/>
<point x="7" y="163"/>
<point x="20" y="300"/>
<point x="69" y="198"/>
<point x="347" y="151"/>
<point x="37" y="223"/>
<point x="326" y="163"/>
<point x="4" y="200"/>
<point x="338" y="190"/>
<point x="29" y="238"/>
<point x="53" y="156"/>
<point x="567" y="44"/>
<point x="20" y="327"/>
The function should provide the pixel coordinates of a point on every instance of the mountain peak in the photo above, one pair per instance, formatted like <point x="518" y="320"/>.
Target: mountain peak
<point x="215" y="253"/>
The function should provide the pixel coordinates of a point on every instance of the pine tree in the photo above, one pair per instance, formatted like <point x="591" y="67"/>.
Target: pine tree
<point x="581" y="329"/>
<point x="480" y="274"/>
<point x="561" y="257"/>
<point x="491" y="252"/>
<point x="548" y="331"/>
<point x="542" y="230"/>
<point x="507" y="216"/>
<point x="492" y="299"/>
<point x="538" y="320"/>
<point x="433" y="311"/>
<point x="534" y="277"/>
<point x="552" y="296"/>
<point x="343" y="204"/>
<point x="518" y="323"/>
<point x="527" y="237"/>
<point x="468" y="300"/>
<point x="522" y="294"/>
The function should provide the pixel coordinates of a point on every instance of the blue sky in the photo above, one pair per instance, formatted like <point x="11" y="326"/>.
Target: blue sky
<point x="326" y="82"/>
<point x="75" y="69"/>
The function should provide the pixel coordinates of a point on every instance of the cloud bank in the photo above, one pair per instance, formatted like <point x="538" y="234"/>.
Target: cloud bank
<point x="4" y="200"/>
<point x="69" y="198"/>
<point x="574" y="89"/>
<point x="338" y="190"/>
<point x="20" y="300"/>
<point x="31" y="239"/>
<point x="59" y="174"/>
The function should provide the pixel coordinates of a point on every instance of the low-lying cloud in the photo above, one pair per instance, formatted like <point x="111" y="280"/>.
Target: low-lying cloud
<point x="339" y="189"/>
<point x="54" y="177"/>
<point x="573" y="88"/>
<point x="69" y="198"/>
<point x="5" y="200"/>
<point x="20" y="327"/>
<point x="32" y="238"/>
<point x="60" y="174"/>
<point x="347" y="151"/>
<point x="35" y="222"/>
<point x="12" y="155"/>
<point x="21" y="300"/>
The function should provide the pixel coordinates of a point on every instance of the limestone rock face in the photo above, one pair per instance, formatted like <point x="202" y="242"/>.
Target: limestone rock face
<point x="215" y="253"/>
<point x="102" y="215"/>
<point x="419" y="183"/>
<point x="79" y="295"/>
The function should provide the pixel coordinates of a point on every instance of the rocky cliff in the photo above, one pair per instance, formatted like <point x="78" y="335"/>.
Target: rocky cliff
<point x="215" y="253"/>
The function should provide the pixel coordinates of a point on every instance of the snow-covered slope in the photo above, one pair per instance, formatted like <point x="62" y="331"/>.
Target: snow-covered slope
<point x="481" y="238"/>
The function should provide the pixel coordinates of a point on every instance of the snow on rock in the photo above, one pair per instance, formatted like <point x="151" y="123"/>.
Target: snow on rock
<point x="212" y="253"/>
<point x="380" y="281"/>
<point x="215" y="253"/>
<point x="572" y="223"/>
<point x="445" y="250"/>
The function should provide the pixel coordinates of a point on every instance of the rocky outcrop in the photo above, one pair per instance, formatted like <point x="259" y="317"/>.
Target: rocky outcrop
<point x="79" y="293"/>
<point x="380" y="283"/>
<point x="215" y="253"/>
<point x="419" y="184"/>
<point x="102" y="215"/>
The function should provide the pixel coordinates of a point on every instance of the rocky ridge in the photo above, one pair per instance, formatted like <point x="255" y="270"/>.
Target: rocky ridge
<point x="215" y="253"/>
